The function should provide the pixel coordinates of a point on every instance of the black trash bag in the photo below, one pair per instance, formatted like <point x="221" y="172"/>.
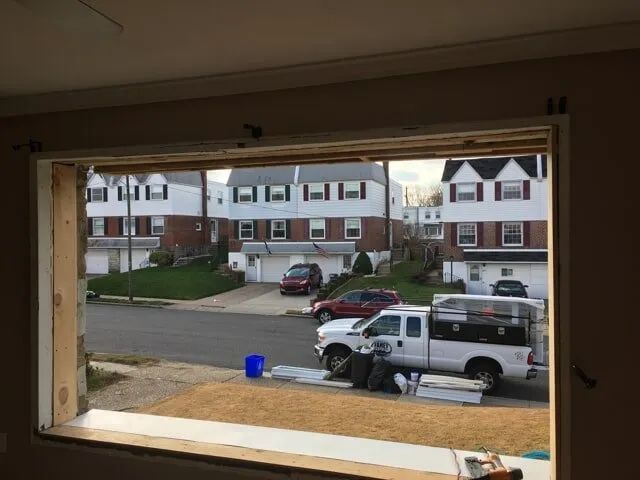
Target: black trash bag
<point x="361" y="364"/>
<point x="381" y="369"/>
<point x="389" y="385"/>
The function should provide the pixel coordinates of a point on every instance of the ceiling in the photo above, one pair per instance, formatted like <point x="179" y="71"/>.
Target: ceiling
<point x="166" y="40"/>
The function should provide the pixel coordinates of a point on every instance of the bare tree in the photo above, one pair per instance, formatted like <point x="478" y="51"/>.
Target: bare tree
<point x="424" y="196"/>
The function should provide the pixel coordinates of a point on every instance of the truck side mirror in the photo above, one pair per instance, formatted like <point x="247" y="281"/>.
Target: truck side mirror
<point x="526" y="286"/>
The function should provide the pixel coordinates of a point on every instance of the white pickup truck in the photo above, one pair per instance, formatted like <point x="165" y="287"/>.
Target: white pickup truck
<point x="406" y="329"/>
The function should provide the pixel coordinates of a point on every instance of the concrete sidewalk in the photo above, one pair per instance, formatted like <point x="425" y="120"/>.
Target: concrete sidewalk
<point x="149" y="384"/>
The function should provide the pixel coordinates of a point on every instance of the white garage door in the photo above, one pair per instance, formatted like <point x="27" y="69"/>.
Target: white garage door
<point x="534" y="275"/>
<point x="97" y="261"/>
<point x="273" y="268"/>
<point x="138" y="255"/>
<point x="333" y="264"/>
<point x="539" y="285"/>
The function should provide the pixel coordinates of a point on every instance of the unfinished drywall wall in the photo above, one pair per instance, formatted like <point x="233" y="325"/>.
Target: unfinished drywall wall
<point x="602" y="101"/>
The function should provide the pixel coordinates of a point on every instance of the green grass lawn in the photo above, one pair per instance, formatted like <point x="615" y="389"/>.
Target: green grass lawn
<point x="400" y="280"/>
<point x="187" y="282"/>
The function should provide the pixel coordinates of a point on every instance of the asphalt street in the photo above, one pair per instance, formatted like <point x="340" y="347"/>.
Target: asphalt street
<point x="224" y="339"/>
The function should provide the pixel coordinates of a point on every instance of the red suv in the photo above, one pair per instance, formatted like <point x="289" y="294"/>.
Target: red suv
<point x="356" y="304"/>
<point x="302" y="277"/>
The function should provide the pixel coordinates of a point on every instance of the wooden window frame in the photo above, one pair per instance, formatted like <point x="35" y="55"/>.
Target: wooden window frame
<point x="55" y="256"/>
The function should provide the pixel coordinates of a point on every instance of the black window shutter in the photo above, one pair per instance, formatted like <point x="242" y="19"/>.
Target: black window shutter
<point x="105" y="194"/>
<point x="235" y="194"/>
<point x="120" y="195"/>
<point x="255" y="228"/>
<point x="90" y="226"/>
<point x="137" y="224"/>
<point x="106" y="226"/>
<point x="236" y="229"/>
<point x="149" y="232"/>
<point x="147" y="192"/>
<point x="88" y="194"/>
<point x="288" y="227"/>
<point x="136" y="192"/>
<point x="363" y="190"/>
<point x="268" y="235"/>
<point x="120" y="225"/>
<point x="254" y="194"/>
<point x="287" y="193"/>
<point x="267" y="193"/>
<point x="165" y="192"/>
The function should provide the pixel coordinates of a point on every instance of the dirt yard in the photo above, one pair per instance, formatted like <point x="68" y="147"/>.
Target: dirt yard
<point x="510" y="431"/>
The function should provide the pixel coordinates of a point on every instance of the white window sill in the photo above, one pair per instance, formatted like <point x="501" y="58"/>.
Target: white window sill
<point x="273" y="446"/>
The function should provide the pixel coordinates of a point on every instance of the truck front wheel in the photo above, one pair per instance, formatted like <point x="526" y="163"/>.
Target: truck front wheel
<point x="335" y="357"/>
<point x="488" y="374"/>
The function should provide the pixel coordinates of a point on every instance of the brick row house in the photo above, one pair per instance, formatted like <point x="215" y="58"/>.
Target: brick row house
<point x="277" y="214"/>
<point x="496" y="222"/>
<point x="182" y="212"/>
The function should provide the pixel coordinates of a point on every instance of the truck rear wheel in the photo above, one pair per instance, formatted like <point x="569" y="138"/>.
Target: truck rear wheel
<point x="488" y="374"/>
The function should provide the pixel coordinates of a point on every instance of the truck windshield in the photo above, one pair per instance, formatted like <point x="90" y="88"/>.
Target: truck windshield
<point x="510" y="289"/>
<point x="362" y="321"/>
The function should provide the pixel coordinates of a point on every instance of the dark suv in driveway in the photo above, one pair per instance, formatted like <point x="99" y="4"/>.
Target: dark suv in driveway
<point x="509" y="288"/>
<point x="301" y="278"/>
<point x="355" y="304"/>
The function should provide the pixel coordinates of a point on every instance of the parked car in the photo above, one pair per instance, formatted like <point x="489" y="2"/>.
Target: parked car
<point x="509" y="288"/>
<point x="91" y="294"/>
<point x="409" y="332"/>
<point x="301" y="278"/>
<point x="356" y="303"/>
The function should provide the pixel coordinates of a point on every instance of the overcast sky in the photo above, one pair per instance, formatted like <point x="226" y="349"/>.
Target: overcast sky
<point x="408" y="172"/>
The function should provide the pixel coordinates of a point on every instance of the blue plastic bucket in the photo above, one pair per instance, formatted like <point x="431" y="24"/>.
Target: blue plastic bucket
<point x="254" y="365"/>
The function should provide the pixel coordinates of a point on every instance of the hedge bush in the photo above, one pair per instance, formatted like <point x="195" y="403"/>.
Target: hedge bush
<point x="362" y="264"/>
<point x="161" y="258"/>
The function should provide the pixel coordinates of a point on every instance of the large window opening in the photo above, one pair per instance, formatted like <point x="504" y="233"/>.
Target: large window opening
<point x="423" y="332"/>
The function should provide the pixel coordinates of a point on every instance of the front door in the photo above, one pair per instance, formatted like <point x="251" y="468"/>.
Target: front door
<point x="474" y="284"/>
<point x="252" y="271"/>
<point x="389" y="329"/>
<point x="349" y="305"/>
<point x="415" y="341"/>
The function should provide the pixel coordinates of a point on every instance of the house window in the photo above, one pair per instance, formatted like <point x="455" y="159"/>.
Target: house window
<point x="96" y="195"/>
<point x="98" y="226"/>
<point x="277" y="194"/>
<point x="512" y="233"/>
<point x="437" y="214"/>
<point x="219" y="197"/>
<point x="474" y="273"/>
<point x="346" y="261"/>
<point x="208" y="194"/>
<point x="278" y="229"/>
<point x="316" y="228"/>
<point x="507" y="272"/>
<point x="316" y="192"/>
<point x="467" y="234"/>
<point x="466" y="192"/>
<point x="246" y="230"/>
<point x="245" y="195"/>
<point x="512" y="190"/>
<point x="125" y="226"/>
<point x="427" y="215"/>
<point x="352" y="227"/>
<point x="406" y="216"/>
<point x="157" y="192"/>
<point x="214" y="231"/>
<point x="157" y="225"/>
<point x="198" y="227"/>
<point x="432" y="230"/>
<point x="352" y="190"/>
<point x="130" y="195"/>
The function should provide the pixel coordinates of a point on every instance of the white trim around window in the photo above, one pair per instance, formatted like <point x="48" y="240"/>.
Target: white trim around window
<point x="512" y="234"/>
<point x="317" y="225"/>
<point x="316" y="192"/>
<point x="352" y="191"/>
<point x="469" y="233"/>
<point x="213" y="229"/>
<point x="157" y="192"/>
<point x="466" y="192"/>
<point x="278" y="229"/>
<point x="96" y="195"/>
<point x="98" y="226"/>
<point x="512" y="190"/>
<point x="125" y="225"/>
<point x="277" y="193"/>
<point x="245" y="194"/>
<point x="157" y="225"/>
<point x="245" y="228"/>
<point x="352" y="228"/>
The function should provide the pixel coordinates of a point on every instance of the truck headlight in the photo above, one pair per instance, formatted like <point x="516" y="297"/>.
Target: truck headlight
<point x="321" y="338"/>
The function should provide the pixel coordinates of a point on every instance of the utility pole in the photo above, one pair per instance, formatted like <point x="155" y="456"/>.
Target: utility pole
<point x="387" y="197"/>
<point x="129" y="237"/>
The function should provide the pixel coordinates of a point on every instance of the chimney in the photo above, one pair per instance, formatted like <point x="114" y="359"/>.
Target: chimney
<point x="296" y="175"/>
<point x="539" y="167"/>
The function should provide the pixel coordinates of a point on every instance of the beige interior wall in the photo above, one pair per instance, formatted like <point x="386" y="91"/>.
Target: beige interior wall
<point x="603" y="104"/>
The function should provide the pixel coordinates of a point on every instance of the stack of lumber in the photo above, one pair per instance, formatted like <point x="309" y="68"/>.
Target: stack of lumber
<point x="291" y="373"/>
<point x="450" y="388"/>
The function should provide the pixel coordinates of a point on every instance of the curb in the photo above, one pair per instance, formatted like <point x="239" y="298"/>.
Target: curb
<point x="299" y="315"/>
<point x="125" y="304"/>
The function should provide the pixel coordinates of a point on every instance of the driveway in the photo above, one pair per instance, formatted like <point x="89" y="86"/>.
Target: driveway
<point x="253" y="298"/>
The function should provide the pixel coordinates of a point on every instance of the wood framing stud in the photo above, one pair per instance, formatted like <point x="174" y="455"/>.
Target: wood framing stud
<point x="65" y="398"/>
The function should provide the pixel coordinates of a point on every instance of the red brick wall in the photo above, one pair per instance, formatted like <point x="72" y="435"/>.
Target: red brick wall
<point x="491" y="238"/>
